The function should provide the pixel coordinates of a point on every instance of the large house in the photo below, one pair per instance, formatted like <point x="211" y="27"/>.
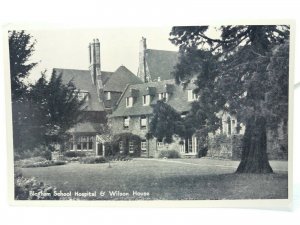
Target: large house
<point x="120" y="102"/>
<point x="101" y="91"/>
<point x="134" y="111"/>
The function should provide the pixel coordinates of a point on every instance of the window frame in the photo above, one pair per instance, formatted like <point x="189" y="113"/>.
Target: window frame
<point x="108" y="95"/>
<point x="163" y="96"/>
<point x="121" y="147"/>
<point x="126" y="122"/>
<point x="143" y="118"/>
<point x="146" y="100"/>
<point x="192" y="96"/>
<point x="143" y="145"/>
<point x="131" y="147"/>
<point x="129" y="102"/>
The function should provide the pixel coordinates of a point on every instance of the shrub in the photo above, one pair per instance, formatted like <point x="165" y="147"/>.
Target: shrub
<point x="170" y="154"/>
<point x="23" y="162"/>
<point x="41" y="151"/>
<point x="126" y="139"/>
<point x="73" y="159"/>
<point x="202" y="152"/>
<point x="74" y="154"/>
<point x="92" y="160"/>
<point x="25" y="186"/>
<point x="47" y="154"/>
<point x="45" y="163"/>
<point x="119" y="157"/>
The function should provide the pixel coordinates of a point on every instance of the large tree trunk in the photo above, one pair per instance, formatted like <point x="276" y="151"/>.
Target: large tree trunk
<point x="254" y="155"/>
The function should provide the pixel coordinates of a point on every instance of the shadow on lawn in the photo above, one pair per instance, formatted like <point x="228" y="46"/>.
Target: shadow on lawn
<point x="215" y="187"/>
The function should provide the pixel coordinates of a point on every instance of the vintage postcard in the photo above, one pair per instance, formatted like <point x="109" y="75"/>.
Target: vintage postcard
<point x="174" y="116"/>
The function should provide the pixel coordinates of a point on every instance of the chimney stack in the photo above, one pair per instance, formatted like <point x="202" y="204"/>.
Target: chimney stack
<point x="95" y="60"/>
<point x="142" y="71"/>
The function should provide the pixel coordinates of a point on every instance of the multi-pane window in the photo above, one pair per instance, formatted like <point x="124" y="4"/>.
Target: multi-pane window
<point x="163" y="96"/>
<point x="108" y="95"/>
<point x="228" y="126"/>
<point x="79" y="146"/>
<point x="143" y="145"/>
<point x="126" y="122"/>
<point x="143" y="122"/>
<point x="160" y="143"/>
<point x="84" y="143"/>
<point x="71" y="144"/>
<point x="146" y="99"/>
<point x="191" y="96"/>
<point x="131" y="150"/>
<point x="188" y="144"/>
<point x="90" y="143"/>
<point x="121" y="146"/>
<point x="129" y="101"/>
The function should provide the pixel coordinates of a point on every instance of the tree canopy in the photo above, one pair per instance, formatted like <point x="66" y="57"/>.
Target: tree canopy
<point x="21" y="48"/>
<point x="44" y="111"/>
<point x="165" y="122"/>
<point x="235" y="72"/>
<point x="56" y="107"/>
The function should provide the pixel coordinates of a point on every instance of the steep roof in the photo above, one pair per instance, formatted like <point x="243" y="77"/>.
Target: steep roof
<point x="86" y="127"/>
<point x="82" y="81"/>
<point x="120" y="78"/>
<point x="105" y="76"/>
<point x="178" y="98"/>
<point x="160" y="63"/>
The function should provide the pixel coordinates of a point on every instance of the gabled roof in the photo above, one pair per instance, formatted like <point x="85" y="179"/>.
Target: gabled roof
<point x="178" y="98"/>
<point x="120" y="78"/>
<point x="86" y="127"/>
<point x="105" y="76"/>
<point x="82" y="81"/>
<point x="160" y="63"/>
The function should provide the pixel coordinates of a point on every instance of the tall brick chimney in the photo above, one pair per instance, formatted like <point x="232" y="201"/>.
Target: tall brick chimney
<point x="95" y="60"/>
<point x="143" y="72"/>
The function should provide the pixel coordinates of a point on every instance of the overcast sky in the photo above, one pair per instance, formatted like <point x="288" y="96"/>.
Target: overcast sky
<point x="69" y="48"/>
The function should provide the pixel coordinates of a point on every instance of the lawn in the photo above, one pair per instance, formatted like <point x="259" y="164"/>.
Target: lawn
<point x="165" y="180"/>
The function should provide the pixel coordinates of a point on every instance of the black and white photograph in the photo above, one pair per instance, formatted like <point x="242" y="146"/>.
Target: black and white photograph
<point x="134" y="114"/>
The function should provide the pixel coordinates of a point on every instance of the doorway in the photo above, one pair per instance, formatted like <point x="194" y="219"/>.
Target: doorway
<point x="99" y="149"/>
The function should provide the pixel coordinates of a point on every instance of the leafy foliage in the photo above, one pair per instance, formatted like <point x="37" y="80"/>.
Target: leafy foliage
<point x="165" y="122"/>
<point x="23" y="187"/>
<point x="169" y="154"/>
<point x="43" y="112"/>
<point x="21" y="48"/>
<point x="125" y="139"/>
<point x="92" y="160"/>
<point x="236" y="73"/>
<point x="55" y="108"/>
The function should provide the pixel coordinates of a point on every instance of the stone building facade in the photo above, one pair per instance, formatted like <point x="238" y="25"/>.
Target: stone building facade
<point x="121" y="102"/>
<point x="134" y="112"/>
<point x="101" y="91"/>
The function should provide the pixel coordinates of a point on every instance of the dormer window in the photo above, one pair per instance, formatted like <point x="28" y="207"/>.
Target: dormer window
<point x="192" y="96"/>
<point x="129" y="102"/>
<point x="83" y="95"/>
<point x="163" y="96"/>
<point x="146" y="99"/>
<point x="108" y="95"/>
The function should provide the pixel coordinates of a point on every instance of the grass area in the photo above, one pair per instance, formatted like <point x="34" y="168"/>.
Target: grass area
<point x="164" y="179"/>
